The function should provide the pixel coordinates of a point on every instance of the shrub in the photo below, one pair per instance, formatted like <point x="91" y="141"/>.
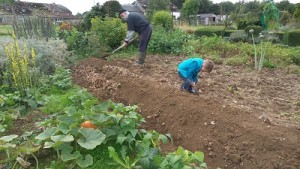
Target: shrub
<point x="296" y="58"/>
<point x="236" y="60"/>
<point x="77" y="41"/>
<point x="111" y="31"/>
<point x="257" y="30"/>
<point x="164" y="19"/>
<point x="169" y="42"/>
<point x="238" y="36"/>
<point x="209" y="32"/>
<point x="292" y="38"/>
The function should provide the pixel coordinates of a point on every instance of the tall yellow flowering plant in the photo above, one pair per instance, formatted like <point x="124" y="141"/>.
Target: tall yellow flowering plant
<point x="18" y="66"/>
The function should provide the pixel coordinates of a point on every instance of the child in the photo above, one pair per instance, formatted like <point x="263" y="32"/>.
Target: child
<point x="188" y="72"/>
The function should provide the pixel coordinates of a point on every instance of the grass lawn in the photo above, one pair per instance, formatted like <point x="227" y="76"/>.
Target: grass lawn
<point x="193" y="28"/>
<point x="4" y="29"/>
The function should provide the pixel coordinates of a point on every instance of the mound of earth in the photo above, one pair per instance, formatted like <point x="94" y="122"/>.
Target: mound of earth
<point x="242" y="119"/>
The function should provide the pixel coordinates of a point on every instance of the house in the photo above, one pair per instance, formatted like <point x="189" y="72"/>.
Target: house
<point x="207" y="19"/>
<point x="56" y="12"/>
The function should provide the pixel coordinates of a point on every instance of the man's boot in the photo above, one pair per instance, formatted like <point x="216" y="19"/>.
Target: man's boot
<point x="142" y="58"/>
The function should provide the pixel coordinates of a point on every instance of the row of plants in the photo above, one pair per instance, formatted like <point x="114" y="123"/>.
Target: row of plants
<point x="107" y="34"/>
<point x="73" y="129"/>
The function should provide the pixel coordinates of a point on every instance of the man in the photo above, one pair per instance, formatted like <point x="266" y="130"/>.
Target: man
<point x="137" y="23"/>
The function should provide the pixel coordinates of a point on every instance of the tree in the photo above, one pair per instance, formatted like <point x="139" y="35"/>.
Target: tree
<point x="205" y="6"/>
<point x="87" y="16"/>
<point x="271" y="15"/>
<point x="253" y="7"/>
<point x="111" y="8"/>
<point x="156" y="5"/>
<point x="178" y="3"/>
<point x="190" y="8"/>
<point x="226" y="7"/>
<point x="297" y="12"/>
<point x="286" y="6"/>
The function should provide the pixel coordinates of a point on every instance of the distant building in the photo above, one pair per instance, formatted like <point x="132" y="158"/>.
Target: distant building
<point x="54" y="11"/>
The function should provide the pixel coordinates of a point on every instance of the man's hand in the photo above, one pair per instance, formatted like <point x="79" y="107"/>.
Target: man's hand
<point x="125" y="44"/>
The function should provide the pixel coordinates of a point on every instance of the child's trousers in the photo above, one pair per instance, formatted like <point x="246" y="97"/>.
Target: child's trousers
<point x="186" y="85"/>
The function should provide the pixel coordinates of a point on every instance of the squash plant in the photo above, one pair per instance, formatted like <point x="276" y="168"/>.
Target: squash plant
<point x="18" y="153"/>
<point x="113" y="122"/>
<point x="181" y="159"/>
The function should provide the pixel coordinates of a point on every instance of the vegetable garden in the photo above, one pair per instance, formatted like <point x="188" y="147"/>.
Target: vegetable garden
<point x="62" y="105"/>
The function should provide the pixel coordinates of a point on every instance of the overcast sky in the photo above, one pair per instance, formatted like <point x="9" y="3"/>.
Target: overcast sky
<point x="85" y="5"/>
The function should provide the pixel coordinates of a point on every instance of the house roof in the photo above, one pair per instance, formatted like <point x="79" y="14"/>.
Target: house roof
<point x="204" y="15"/>
<point x="29" y="8"/>
<point x="132" y="8"/>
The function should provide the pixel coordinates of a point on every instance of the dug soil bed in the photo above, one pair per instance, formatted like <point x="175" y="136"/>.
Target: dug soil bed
<point x="242" y="119"/>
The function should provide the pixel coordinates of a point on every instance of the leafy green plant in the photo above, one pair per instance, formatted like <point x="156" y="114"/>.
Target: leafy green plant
<point x="16" y="153"/>
<point x="169" y="42"/>
<point x="182" y="159"/>
<point x="164" y="19"/>
<point x="124" y="162"/>
<point x="19" y="66"/>
<point x="15" y="102"/>
<point x="6" y="119"/>
<point x="111" y="31"/>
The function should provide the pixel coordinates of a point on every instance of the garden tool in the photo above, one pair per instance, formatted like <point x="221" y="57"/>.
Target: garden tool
<point x="120" y="47"/>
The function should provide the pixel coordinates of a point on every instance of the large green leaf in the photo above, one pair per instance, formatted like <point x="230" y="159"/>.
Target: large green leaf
<point x="103" y="107"/>
<point x="46" y="134"/>
<point x="62" y="138"/>
<point x="8" y="138"/>
<point x="67" y="155"/>
<point x="114" y="155"/>
<point x="92" y="138"/>
<point x="99" y="117"/>
<point x="121" y="138"/>
<point x="7" y="145"/>
<point x="63" y="127"/>
<point x="48" y="144"/>
<point x="85" y="162"/>
<point x="28" y="147"/>
<point x="199" y="156"/>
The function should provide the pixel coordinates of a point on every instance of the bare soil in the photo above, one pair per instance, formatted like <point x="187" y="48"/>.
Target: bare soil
<point x="242" y="119"/>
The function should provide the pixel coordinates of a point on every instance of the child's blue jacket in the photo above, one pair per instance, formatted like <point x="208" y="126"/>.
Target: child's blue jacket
<point x="190" y="68"/>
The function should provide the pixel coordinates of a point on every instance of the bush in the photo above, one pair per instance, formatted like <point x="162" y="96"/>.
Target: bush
<point x="238" y="36"/>
<point x="296" y="59"/>
<point x="236" y="61"/>
<point x="163" y="19"/>
<point x="111" y="31"/>
<point x="209" y="32"/>
<point x="257" y="30"/>
<point x="292" y="38"/>
<point x="169" y="42"/>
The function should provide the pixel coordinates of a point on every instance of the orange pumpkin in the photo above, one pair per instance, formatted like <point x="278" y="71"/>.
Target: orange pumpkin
<point x="88" y="124"/>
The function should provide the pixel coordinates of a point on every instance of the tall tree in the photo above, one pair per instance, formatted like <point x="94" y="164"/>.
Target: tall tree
<point x="87" y="16"/>
<point x="178" y="3"/>
<point x="190" y="8"/>
<point x="226" y="7"/>
<point x="253" y="7"/>
<point x="111" y="8"/>
<point x="271" y="15"/>
<point x="156" y="5"/>
<point x="286" y="6"/>
<point x="205" y="6"/>
<point x="297" y="12"/>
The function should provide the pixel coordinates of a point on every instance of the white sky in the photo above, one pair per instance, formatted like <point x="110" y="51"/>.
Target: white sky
<point x="85" y="5"/>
